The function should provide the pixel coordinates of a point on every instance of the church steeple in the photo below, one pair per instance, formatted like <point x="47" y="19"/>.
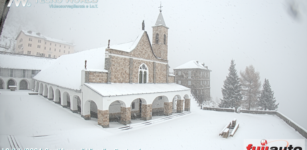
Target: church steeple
<point x="160" y="37"/>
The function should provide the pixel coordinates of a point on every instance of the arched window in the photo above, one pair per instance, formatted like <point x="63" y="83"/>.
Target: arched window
<point x="143" y="74"/>
<point x="157" y="38"/>
<point x="164" y="39"/>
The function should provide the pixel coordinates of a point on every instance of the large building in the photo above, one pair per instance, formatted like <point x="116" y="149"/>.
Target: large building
<point x="117" y="82"/>
<point x="34" y="43"/>
<point x="196" y="76"/>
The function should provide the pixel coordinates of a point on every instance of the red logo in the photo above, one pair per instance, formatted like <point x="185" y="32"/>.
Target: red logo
<point x="264" y="146"/>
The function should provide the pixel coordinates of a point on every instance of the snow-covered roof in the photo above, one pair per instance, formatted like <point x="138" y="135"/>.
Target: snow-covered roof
<point x="39" y="35"/>
<point x="15" y="61"/>
<point x="128" y="47"/>
<point x="193" y="64"/>
<point x="160" y="21"/>
<point x="66" y="70"/>
<point x="132" y="89"/>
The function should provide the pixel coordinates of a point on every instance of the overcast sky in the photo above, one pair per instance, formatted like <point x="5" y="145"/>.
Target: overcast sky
<point x="262" y="33"/>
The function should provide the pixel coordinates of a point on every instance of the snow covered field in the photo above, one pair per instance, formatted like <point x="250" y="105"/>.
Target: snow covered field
<point x="36" y="122"/>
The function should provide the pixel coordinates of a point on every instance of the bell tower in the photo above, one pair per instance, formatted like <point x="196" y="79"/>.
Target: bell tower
<point x="160" y="37"/>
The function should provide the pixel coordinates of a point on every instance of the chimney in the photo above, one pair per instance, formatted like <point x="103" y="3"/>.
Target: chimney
<point x="109" y="43"/>
<point x="203" y="64"/>
<point x="38" y="33"/>
<point x="30" y="31"/>
<point x="196" y="61"/>
<point x="85" y="64"/>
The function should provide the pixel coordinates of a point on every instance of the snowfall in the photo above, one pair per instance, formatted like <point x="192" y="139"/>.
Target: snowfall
<point x="32" y="121"/>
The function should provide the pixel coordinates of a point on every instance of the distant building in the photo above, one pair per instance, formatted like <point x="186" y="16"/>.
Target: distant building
<point x="19" y="70"/>
<point x="34" y="43"/>
<point x="196" y="76"/>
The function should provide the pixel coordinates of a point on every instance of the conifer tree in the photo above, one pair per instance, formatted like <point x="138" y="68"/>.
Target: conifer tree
<point x="250" y="82"/>
<point x="231" y="90"/>
<point x="267" y="99"/>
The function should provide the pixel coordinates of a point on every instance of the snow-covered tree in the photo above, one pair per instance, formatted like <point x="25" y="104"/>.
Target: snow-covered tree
<point x="231" y="90"/>
<point x="267" y="99"/>
<point x="250" y="82"/>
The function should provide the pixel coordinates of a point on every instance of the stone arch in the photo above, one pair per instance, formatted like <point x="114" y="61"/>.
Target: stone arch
<point x="45" y="93"/>
<point x="137" y="108"/>
<point x="186" y="96"/>
<point x="161" y="106"/>
<point x="57" y="98"/>
<point x="115" y="109"/>
<point x="11" y="82"/>
<point x="50" y="93"/>
<point x="91" y="109"/>
<point x="23" y="85"/>
<point x="76" y="107"/>
<point x="41" y="88"/>
<point x="66" y="100"/>
<point x="1" y="84"/>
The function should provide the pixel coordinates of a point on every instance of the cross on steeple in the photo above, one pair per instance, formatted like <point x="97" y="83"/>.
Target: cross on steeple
<point x="160" y="7"/>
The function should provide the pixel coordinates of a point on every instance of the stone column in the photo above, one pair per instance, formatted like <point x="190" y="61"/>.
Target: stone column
<point x="179" y="106"/>
<point x="86" y="117"/>
<point x="125" y="115"/>
<point x="146" y="112"/>
<point x="103" y="118"/>
<point x="187" y="105"/>
<point x="168" y="108"/>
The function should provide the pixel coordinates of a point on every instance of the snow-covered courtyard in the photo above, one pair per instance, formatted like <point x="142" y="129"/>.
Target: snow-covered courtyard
<point x="35" y="122"/>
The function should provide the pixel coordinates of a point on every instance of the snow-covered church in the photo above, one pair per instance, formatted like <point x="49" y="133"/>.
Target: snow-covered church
<point x="117" y="82"/>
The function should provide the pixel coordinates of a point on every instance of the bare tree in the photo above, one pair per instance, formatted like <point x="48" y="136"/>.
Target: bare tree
<point x="250" y="81"/>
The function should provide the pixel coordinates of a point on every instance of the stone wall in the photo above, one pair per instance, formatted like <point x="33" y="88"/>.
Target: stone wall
<point x="136" y="66"/>
<point x="258" y="112"/>
<point x="219" y="109"/>
<point x="293" y="124"/>
<point x="119" y="70"/>
<point x="179" y="106"/>
<point x="103" y="118"/>
<point x="97" y="77"/>
<point x="171" y="79"/>
<point x="161" y="73"/>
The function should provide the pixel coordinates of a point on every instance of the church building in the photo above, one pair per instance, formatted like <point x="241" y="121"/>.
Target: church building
<point x="117" y="83"/>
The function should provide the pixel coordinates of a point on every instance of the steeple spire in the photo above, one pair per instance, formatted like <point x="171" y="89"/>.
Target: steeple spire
<point x="160" y="7"/>
<point x="160" y="21"/>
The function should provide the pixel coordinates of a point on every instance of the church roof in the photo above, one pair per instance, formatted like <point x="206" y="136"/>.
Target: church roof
<point x="16" y="61"/>
<point x="193" y="64"/>
<point x="160" y="21"/>
<point x="128" y="47"/>
<point x="66" y="70"/>
<point x="134" y="89"/>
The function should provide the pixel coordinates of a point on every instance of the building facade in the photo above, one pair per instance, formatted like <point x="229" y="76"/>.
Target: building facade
<point x="196" y="76"/>
<point x="34" y="43"/>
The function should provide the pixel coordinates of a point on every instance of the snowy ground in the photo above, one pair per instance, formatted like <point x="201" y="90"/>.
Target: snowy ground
<point x="36" y="122"/>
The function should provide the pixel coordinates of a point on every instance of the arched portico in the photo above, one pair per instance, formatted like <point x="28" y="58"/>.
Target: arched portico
<point x="45" y="93"/>
<point x="11" y="82"/>
<point x="161" y="106"/>
<point x="1" y="84"/>
<point x="50" y="93"/>
<point x="66" y="100"/>
<point x="89" y="110"/>
<point x="76" y="104"/>
<point x="140" y="109"/>
<point x="23" y="85"/>
<point x="118" y="112"/>
<point x="41" y="88"/>
<point x="57" y="96"/>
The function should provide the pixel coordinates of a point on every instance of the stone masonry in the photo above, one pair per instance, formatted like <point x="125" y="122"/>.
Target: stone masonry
<point x="179" y="106"/>
<point x="187" y="104"/>
<point x="146" y="112"/>
<point x="97" y="77"/>
<point x="168" y="108"/>
<point x="125" y="115"/>
<point x="103" y="118"/>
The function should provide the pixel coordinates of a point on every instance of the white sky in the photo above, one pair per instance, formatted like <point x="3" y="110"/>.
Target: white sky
<point x="255" y="32"/>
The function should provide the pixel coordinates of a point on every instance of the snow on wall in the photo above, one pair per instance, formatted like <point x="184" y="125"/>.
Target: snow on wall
<point x="66" y="70"/>
<point x="192" y="65"/>
<point x="128" y="47"/>
<point x="14" y="61"/>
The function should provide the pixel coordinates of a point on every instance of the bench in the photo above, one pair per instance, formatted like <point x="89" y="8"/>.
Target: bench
<point x="226" y="127"/>
<point x="234" y="130"/>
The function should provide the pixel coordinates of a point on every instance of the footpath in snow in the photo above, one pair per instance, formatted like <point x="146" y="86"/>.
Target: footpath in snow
<point x="32" y="121"/>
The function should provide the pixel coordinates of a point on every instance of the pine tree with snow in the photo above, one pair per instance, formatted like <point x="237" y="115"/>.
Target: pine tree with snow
<point x="267" y="99"/>
<point x="231" y="90"/>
